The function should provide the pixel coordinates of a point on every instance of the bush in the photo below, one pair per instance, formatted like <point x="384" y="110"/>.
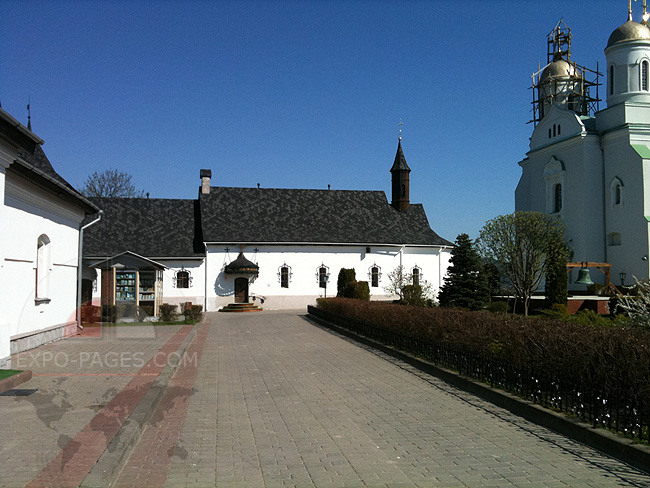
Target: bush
<point x="617" y="359"/>
<point x="412" y="295"/>
<point x="359" y="290"/>
<point x="193" y="313"/>
<point x="346" y="276"/>
<point x="109" y="313"/>
<point x="167" y="312"/>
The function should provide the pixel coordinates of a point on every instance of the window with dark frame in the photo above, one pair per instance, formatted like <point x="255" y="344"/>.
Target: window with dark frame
<point x="557" y="198"/>
<point x="416" y="276"/>
<point x="374" y="276"/>
<point x="182" y="279"/>
<point x="322" y="277"/>
<point x="284" y="277"/>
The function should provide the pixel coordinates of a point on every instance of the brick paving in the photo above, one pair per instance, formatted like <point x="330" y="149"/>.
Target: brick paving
<point x="271" y="399"/>
<point x="85" y="388"/>
<point x="278" y="401"/>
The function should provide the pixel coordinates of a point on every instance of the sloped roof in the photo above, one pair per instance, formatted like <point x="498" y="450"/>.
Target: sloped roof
<point x="400" y="161"/>
<point x="255" y="215"/>
<point x="155" y="228"/>
<point x="32" y="163"/>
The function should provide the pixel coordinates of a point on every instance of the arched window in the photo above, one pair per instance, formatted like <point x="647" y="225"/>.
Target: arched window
<point x="183" y="279"/>
<point x="416" y="276"/>
<point x="554" y="128"/>
<point x="43" y="264"/>
<point x="644" y="75"/>
<point x="616" y="192"/>
<point x="284" y="275"/>
<point x="611" y="79"/>
<point x="403" y="190"/>
<point x="323" y="275"/>
<point x="557" y="197"/>
<point x="374" y="274"/>
<point x="549" y="133"/>
<point x="559" y="129"/>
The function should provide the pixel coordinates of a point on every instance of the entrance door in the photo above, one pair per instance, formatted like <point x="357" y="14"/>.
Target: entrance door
<point x="241" y="290"/>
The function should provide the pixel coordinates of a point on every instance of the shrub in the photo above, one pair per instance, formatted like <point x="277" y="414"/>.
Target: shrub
<point x="412" y="295"/>
<point x="167" y="312"/>
<point x="595" y="288"/>
<point x="360" y="290"/>
<point x="193" y="313"/>
<point x="617" y="359"/>
<point x="109" y="313"/>
<point x="346" y="276"/>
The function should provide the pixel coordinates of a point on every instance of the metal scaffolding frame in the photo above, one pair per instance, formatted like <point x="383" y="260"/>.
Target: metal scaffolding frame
<point x="576" y="86"/>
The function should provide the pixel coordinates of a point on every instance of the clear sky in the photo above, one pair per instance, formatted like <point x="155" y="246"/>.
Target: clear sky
<point x="293" y="94"/>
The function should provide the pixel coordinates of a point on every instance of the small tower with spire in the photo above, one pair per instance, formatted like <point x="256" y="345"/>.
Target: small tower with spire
<point x="400" y="179"/>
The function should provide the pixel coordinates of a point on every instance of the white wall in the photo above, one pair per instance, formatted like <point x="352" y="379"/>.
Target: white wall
<point x="27" y="213"/>
<point x="304" y="262"/>
<point x="195" y="293"/>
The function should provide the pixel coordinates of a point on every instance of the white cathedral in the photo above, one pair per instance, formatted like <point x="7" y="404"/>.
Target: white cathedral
<point x="590" y="167"/>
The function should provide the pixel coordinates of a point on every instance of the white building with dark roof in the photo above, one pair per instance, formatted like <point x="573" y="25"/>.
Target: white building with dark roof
<point x="40" y="221"/>
<point x="292" y="239"/>
<point x="590" y="167"/>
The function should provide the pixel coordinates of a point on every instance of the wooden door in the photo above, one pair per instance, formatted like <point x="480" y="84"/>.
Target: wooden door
<point x="241" y="290"/>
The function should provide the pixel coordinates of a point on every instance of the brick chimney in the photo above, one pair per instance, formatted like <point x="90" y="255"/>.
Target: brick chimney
<point x="206" y="174"/>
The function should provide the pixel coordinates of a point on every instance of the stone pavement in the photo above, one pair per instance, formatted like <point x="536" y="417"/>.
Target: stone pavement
<point x="271" y="399"/>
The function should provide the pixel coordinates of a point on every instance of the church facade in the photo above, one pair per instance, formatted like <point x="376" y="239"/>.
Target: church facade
<point x="278" y="248"/>
<point x="590" y="167"/>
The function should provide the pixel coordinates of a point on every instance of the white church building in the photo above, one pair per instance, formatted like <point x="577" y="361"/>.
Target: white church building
<point x="281" y="248"/>
<point x="587" y="166"/>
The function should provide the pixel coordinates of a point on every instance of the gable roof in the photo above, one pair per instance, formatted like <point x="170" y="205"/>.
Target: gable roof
<point x="32" y="163"/>
<point x="156" y="228"/>
<point x="254" y="215"/>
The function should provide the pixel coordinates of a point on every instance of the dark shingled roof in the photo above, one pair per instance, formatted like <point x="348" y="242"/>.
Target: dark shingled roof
<point x="154" y="228"/>
<point x="32" y="163"/>
<point x="400" y="161"/>
<point x="253" y="215"/>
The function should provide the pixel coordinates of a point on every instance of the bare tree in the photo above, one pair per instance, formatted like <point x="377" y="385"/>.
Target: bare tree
<point x="519" y="243"/>
<point x="110" y="183"/>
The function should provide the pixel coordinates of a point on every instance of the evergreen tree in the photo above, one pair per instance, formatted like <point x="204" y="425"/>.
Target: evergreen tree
<point x="556" y="272"/>
<point x="466" y="283"/>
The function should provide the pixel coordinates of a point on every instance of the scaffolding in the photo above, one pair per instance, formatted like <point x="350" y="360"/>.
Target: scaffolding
<point x="562" y="81"/>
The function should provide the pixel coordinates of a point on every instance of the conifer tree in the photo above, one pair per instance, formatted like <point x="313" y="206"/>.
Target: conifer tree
<point x="466" y="284"/>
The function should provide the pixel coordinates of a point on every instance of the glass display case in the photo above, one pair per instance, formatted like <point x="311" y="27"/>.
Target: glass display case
<point x="125" y="285"/>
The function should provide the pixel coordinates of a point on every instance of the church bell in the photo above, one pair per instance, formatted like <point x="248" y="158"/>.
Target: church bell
<point x="583" y="277"/>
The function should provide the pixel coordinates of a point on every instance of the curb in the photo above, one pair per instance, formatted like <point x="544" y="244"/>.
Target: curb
<point x="634" y="454"/>
<point x="117" y="453"/>
<point x="15" y="380"/>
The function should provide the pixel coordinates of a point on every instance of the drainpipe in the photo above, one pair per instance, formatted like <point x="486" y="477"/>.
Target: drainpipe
<point x="205" y="284"/>
<point x="80" y="265"/>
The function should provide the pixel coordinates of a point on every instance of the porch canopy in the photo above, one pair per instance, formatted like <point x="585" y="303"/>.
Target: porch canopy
<point x="242" y="266"/>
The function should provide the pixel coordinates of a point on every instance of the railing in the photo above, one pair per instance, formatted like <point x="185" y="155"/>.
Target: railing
<point x="621" y="411"/>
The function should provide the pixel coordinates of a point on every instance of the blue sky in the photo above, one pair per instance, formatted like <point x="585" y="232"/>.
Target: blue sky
<point x="293" y="94"/>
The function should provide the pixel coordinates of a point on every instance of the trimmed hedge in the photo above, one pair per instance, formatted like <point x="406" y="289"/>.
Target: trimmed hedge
<point x="612" y="359"/>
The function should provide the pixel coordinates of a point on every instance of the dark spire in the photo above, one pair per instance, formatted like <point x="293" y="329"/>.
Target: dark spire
<point x="29" y="117"/>
<point x="400" y="180"/>
<point x="400" y="160"/>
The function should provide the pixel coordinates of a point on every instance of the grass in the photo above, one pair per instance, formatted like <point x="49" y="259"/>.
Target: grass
<point x="6" y="373"/>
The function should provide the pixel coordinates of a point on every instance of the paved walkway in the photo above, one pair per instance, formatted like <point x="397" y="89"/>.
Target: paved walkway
<point x="270" y="399"/>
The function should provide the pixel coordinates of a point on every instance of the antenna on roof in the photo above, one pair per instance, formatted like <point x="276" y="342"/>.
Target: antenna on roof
<point x="629" y="9"/>
<point x="400" y="128"/>
<point x="29" y="113"/>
